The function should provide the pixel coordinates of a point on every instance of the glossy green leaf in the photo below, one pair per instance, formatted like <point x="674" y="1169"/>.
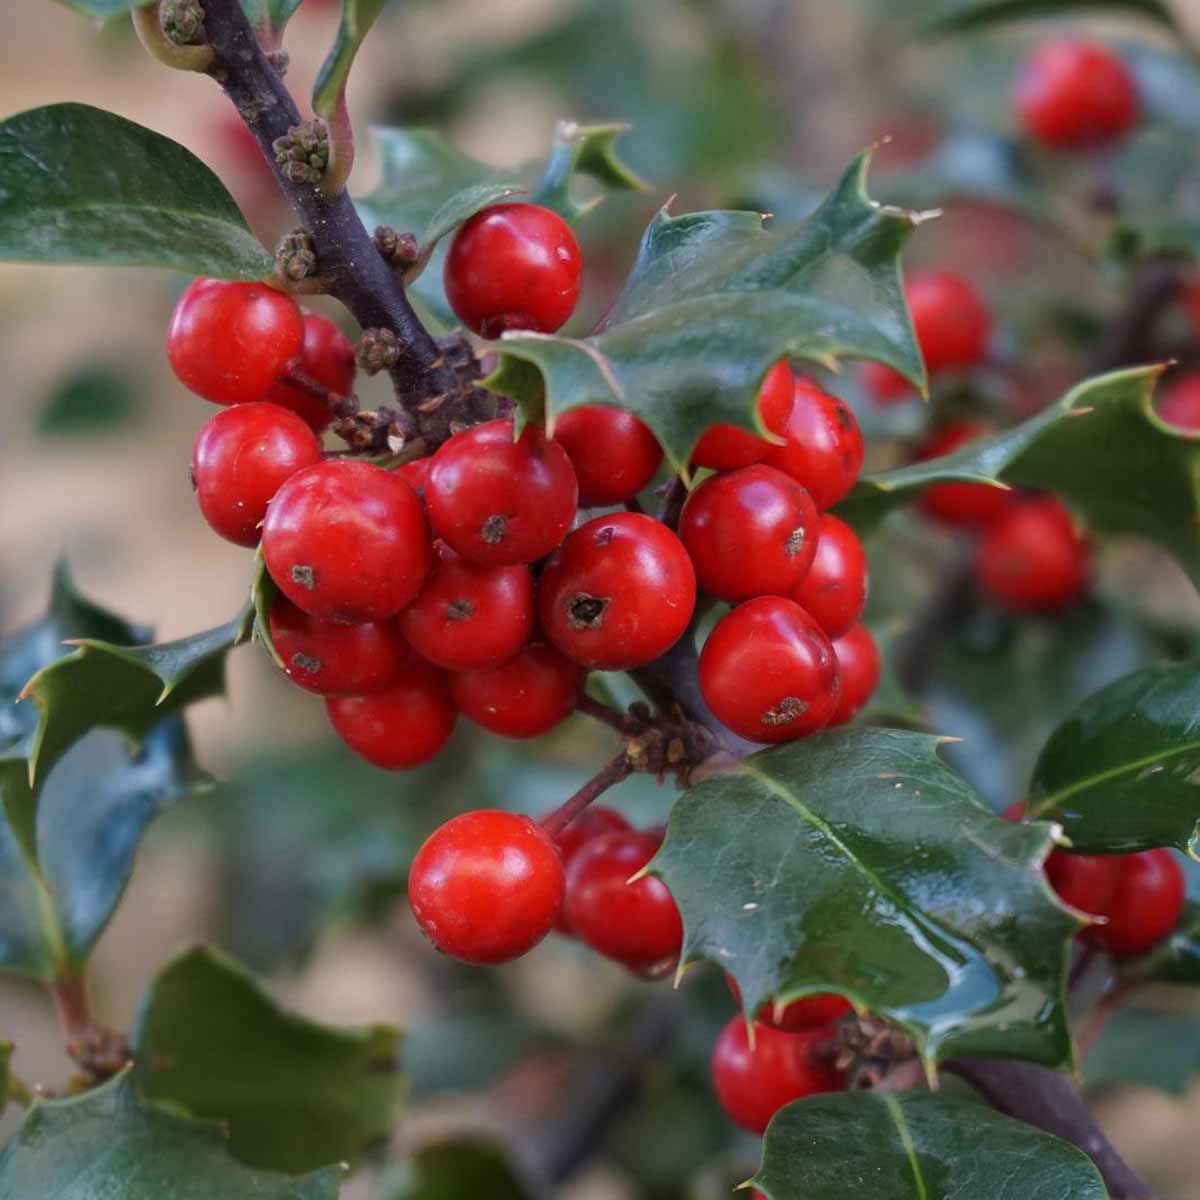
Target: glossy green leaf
<point x="85" y="186"/>
<point x="1147" y="1048"/>
<point x="455" y="1169"/>
<point x="960" y="16"/>
<point x="713" y="300"/>
<point x="1122" y="772"/>
<point x="109" y="1143"/>
<point x="293" y="1094"/>
<point x="330" y="87"/>
<point x="1102" y="448"/>
<point x="262" y="595"/>
<point x="871" y="1146"/>
<point x="272" y="14"/>
<point x="428" y="188"/>
<point x="857" y="862"/>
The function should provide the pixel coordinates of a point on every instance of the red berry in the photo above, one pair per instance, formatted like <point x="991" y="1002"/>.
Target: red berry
<point x="951" y="321"/>
<point x="486" y="886"/>
<point x="858" y="671"/>
<point x="415" y="474"/>
<point x="818" y="1011"/>
<point x="823" y="446"/>
<point x="231" y="342"/>
<point x="1146" y="903"/>
<point x="1073" y="92"/>
<point x="749" y="533"/>
<point x="468" y="616"/>
<point x="835" y="589"/>
<point x="752" y="1085"/>
<point x="347" y="541"/>
<point x="498" y="501"/>
<point x="1032" y="558"/>
<point x="635" y="924"/>
<point x="884" y="385"/>
<point x="1015" y="812"/>
<point x="513" y="266"/>
<point x="591" y="823"/>
<point x="401" y="727"/>
<point x="1179" y="403"/>
<point x="522" y="698"/>
<point x="614" y="454"/>
<point x="1084" y="881"/>
<point x="618" y="593"/>
<point x="333" y="659"/>
<point x="769" y="672"/>
<point x="726" y="447"/>
<point x="962" y="505"/>
<point x="241" y="458"/>
<point x="328" y="359"/>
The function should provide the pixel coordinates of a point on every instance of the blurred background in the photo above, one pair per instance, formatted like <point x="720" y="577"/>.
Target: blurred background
<point x="296" y="862"/>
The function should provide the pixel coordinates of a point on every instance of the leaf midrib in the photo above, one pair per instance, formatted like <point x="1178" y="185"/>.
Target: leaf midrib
<point x="905" y="1135"/>
<point x="127" y="206"/>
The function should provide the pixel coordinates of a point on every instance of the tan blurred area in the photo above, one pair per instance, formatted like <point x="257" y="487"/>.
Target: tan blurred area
<point x="120" y="508"/>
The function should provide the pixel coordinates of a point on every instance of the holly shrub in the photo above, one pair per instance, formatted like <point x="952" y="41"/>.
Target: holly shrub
<point x="862" y="943"/>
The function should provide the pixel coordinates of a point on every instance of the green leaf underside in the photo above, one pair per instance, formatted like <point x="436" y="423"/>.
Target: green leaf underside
<point x="329" y="89"/>
<point x="104" y="9"/>
<point x="262" y="595"/>
<point x="959" y="16"/>
<point x="1102" y="448"/>
<point x="429" y="188"/>
<point x="457" y="1169"/>
<point x="713" y="300"/>
<point x="857" y="862"/>
<point x="868" y="1146"/>
<point x="293" y="1094"/>
<point x="85" y="186"/>
<point x="1122" y="773"/>
<point x="1153" y="1049"/>
<point x="109" y="1143"/>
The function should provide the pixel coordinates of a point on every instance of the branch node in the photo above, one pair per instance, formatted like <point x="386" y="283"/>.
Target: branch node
<point x="303" y="152"/>
<point x="148" y="24"/>
<point x="182" y="21"/>
<point x="398" y="249"/>
<point x="296" y="256"/>
<point x="378" y="350"/>
<point x="280" y="60"/>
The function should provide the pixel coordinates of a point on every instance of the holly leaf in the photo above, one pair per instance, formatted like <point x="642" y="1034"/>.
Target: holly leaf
<point x="94" y="399"/>
<point x="103" y="10"/>
<point x="85" y="186"/>
<point x="1149" y="1048"/>
<point x="270" y="14"/>
<point x="293" y="1094"/>
<point x="329" y="90"/>
<point x="714" y="298"/>
<point x="1176" y="959"/>
<point x="961" y="16"/>
<point x="430" y="187"/>
<point x="109" y="1142"/>
<point x="1102" y="448"/>
<point x="916" y="1146"/>
<point x="1122" y="772"/>
<point x="456" y="1168"/>
<point x="857" y="862"/>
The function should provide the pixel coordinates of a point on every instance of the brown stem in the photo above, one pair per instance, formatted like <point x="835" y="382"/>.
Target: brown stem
<point x="71" y="1003"/>
<point x="623" y="723"/>
<point x="610" y="774"/>
<point x="348" y="261"/>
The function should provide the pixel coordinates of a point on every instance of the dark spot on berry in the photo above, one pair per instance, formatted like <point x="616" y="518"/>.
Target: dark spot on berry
<point x="459" y="610"/>
<point x="843" y="415"/>
<point x="306" y="663"/>
<point x="795" y="542"/>
<point x="604" y="535"/>
<point x="495" y="529"/>
<point x="192" y="478"/>
<point x="788" y="709"/>
<point x="587" y="612"/>
<point x="306" y="577"/>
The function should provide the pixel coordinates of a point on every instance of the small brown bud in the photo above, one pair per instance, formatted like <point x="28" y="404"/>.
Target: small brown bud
<point x="378" y="350"/>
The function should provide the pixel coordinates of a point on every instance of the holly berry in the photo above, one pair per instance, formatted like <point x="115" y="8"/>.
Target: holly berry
<point x="858" y="671"/>
<point x="823" y="446"/>
<point x="1073" y="92"/>
<point x="818" y="1011"/>
<point x="1084" y="881"/>
<point x="401" y="727"/>
<point x="347" y="541"/>
<point x="590" y="823"/>
<point x="884" y="385"/>
<point x="241" y="458"/>
<point x="614" y="454"/>
<point x="750" y="532"/>
<point x="415" y="474"/>
<point x="619" y="592"/>
<point x="232" y="342"/>
<point x="752" y="1085"/>
<point x="498" y="501"/>
<point x="513" y="266"/>
<point x="1180" y="402"/>
<point x="334" y="659"/>
<point x="327" y="358"/>
<point x="769" y="672"/>
<point x="834" y="591"/>
<point x="635" y="924"/>
<point x="960" y="505"/>
<point x="468" y="616"/>
<point x="1032" y="558"/>
<point x="523" y="698"/>
<point x="486" y="886"/>
<point x="951" y="321"/>
<point x="1146" y="903"/>
<point x="725" y="447"/>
